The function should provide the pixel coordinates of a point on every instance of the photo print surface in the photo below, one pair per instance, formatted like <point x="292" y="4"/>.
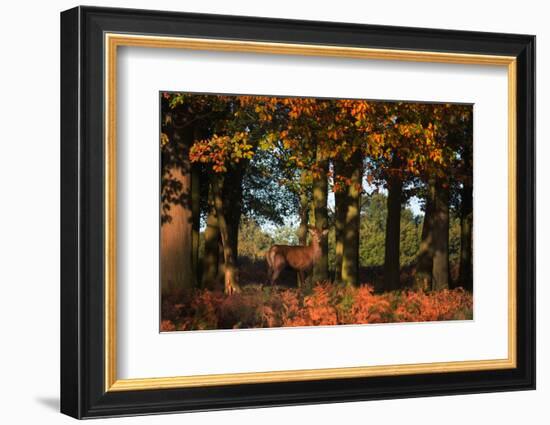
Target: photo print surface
<point x="298" y="211"/>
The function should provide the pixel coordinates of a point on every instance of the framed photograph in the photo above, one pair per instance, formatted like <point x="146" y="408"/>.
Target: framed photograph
<point x="261" y="212"/>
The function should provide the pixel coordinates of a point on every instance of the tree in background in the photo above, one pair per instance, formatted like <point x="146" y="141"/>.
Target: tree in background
<point x="446" y="165"/>
<point x="397" y="152"/>
<point x="373" y="232"/>
<point x="232" y="143"/>
<point x="348" y="134"/>
<point x="465" y="167"/>
<point x="302" y="133"/>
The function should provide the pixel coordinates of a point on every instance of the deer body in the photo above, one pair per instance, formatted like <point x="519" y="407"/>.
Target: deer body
<point x="298" y="257"/>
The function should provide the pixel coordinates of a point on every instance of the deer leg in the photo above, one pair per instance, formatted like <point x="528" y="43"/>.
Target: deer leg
<point x="269" y="272"/>
<point x="278" y="264"/>
<point x="269" y="266"/>
<point x="300" y="278"/>
<point x="275" y="275"/>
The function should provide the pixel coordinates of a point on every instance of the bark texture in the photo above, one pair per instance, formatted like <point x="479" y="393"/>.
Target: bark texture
<point x="393" y="234"/>
<point x="440" y="270"/>
<point x="320" y="195"/>
<point x="176" y="239"/>
<point x="424" y="263"/>
<point x="351" y="230"/>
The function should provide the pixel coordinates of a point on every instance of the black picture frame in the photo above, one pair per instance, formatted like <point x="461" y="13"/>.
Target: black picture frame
<point x="83" y="392"/>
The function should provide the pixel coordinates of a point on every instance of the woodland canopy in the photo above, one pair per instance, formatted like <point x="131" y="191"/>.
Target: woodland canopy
<point x="240" y="173"/>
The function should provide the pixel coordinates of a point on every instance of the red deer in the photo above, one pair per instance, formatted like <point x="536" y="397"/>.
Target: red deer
<point x="298" y="257"/>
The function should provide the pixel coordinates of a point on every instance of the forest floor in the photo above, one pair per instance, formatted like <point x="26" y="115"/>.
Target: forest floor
<point x="255" y="272"/>
<point x="260" y="305"/>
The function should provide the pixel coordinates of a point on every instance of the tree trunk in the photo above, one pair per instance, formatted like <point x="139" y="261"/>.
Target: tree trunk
<point x="304" y="210"/>
<point x="176" y="240"/>
<point x="392" y="266"/>
<point x="341" y="208"/>
<point x="211" y="250"/>
<point x="350" y="257"/>
<point x="424" y="262"/>
<point x="440" y="270"/>
<point x="221" y="261"/>
<point x="196" y="216"/>
<point x="231" y="284"/>
<point x="320" y="195"/>
<point x="466" y="219"/>
<point x="233" y="193"/>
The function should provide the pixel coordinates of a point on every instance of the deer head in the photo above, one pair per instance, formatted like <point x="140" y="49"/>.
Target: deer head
<point x="317" y="235"/>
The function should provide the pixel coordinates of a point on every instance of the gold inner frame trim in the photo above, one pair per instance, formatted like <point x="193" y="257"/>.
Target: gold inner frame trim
<point x="113" y="41"/>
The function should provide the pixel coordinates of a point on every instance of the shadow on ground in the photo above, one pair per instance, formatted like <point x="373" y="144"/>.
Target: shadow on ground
<point x="49" y="402"/>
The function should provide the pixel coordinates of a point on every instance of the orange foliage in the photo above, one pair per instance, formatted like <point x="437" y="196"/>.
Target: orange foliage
<point x="167" y="326"/>
<point x="325" y="304"/>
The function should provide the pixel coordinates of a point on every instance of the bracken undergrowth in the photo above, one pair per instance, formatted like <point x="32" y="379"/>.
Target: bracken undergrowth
<point x="323" y="304"/>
